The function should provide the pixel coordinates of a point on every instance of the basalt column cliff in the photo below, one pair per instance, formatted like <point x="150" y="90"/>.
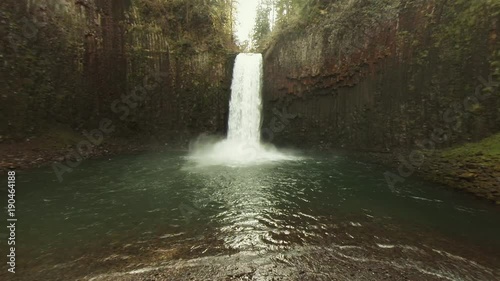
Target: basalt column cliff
<point x="379" y="75"/>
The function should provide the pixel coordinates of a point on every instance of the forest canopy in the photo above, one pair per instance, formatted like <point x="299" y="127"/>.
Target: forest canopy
<point x="276" y="15"/>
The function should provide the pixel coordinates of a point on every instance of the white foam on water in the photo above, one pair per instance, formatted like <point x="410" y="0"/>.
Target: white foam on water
<point x="383" y="246"/>
<point x="243" y="145"/>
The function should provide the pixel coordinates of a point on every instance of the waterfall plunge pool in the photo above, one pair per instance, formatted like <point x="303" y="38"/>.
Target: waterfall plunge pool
<point x="235" y="209"/>
<point x="321" y="215"/>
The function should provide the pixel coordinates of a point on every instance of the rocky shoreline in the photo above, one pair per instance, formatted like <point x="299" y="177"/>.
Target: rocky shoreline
<point x="478" y="175"/>
<point x="34" y="154"/>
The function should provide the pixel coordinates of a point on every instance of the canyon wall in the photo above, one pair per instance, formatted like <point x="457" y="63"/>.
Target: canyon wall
<point x="384" y="74"/>
<point x="155" y="68"/>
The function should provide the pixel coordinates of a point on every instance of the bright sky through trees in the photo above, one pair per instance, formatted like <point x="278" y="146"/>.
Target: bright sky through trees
<point x="246" y="19"/>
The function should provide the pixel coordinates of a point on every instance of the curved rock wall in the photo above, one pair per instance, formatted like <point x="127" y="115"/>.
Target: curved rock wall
<point x="385" y="74"/>
<point x="72" y="63"/>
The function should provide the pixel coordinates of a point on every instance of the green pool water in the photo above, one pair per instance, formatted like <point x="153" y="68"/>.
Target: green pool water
<point x="137" y="211"/>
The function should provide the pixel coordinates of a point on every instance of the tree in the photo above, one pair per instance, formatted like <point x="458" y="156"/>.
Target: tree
<point x="262" y="27"/>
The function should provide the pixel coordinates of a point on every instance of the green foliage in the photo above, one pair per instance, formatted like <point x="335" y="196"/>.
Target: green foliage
<point x="262" y="23"/>
<point x="489" y="147"/>
<point x="277" y="16"/>
<point x="462" y="16"/>
<point x="208" y="24"/>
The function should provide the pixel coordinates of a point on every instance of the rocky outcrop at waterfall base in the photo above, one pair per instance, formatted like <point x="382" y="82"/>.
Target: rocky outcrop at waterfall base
<point x="475" y="173"/>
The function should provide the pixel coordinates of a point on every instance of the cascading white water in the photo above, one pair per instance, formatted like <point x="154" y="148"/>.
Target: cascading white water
<point x="246" y="105"/>
<point x="242" y="146"/>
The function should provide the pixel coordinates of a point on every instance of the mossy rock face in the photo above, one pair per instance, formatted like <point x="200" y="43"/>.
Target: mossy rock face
<point x="472" y="167"/>
<point x="68" y="62"/>
<point x="424" y="75"/>
<point x="387" y="74"/>
<point x="485" y="150"/>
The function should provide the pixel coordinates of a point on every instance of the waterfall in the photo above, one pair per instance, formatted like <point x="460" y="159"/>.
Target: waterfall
<point x="246" y="103"/>
<point x="242" y="147"/>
